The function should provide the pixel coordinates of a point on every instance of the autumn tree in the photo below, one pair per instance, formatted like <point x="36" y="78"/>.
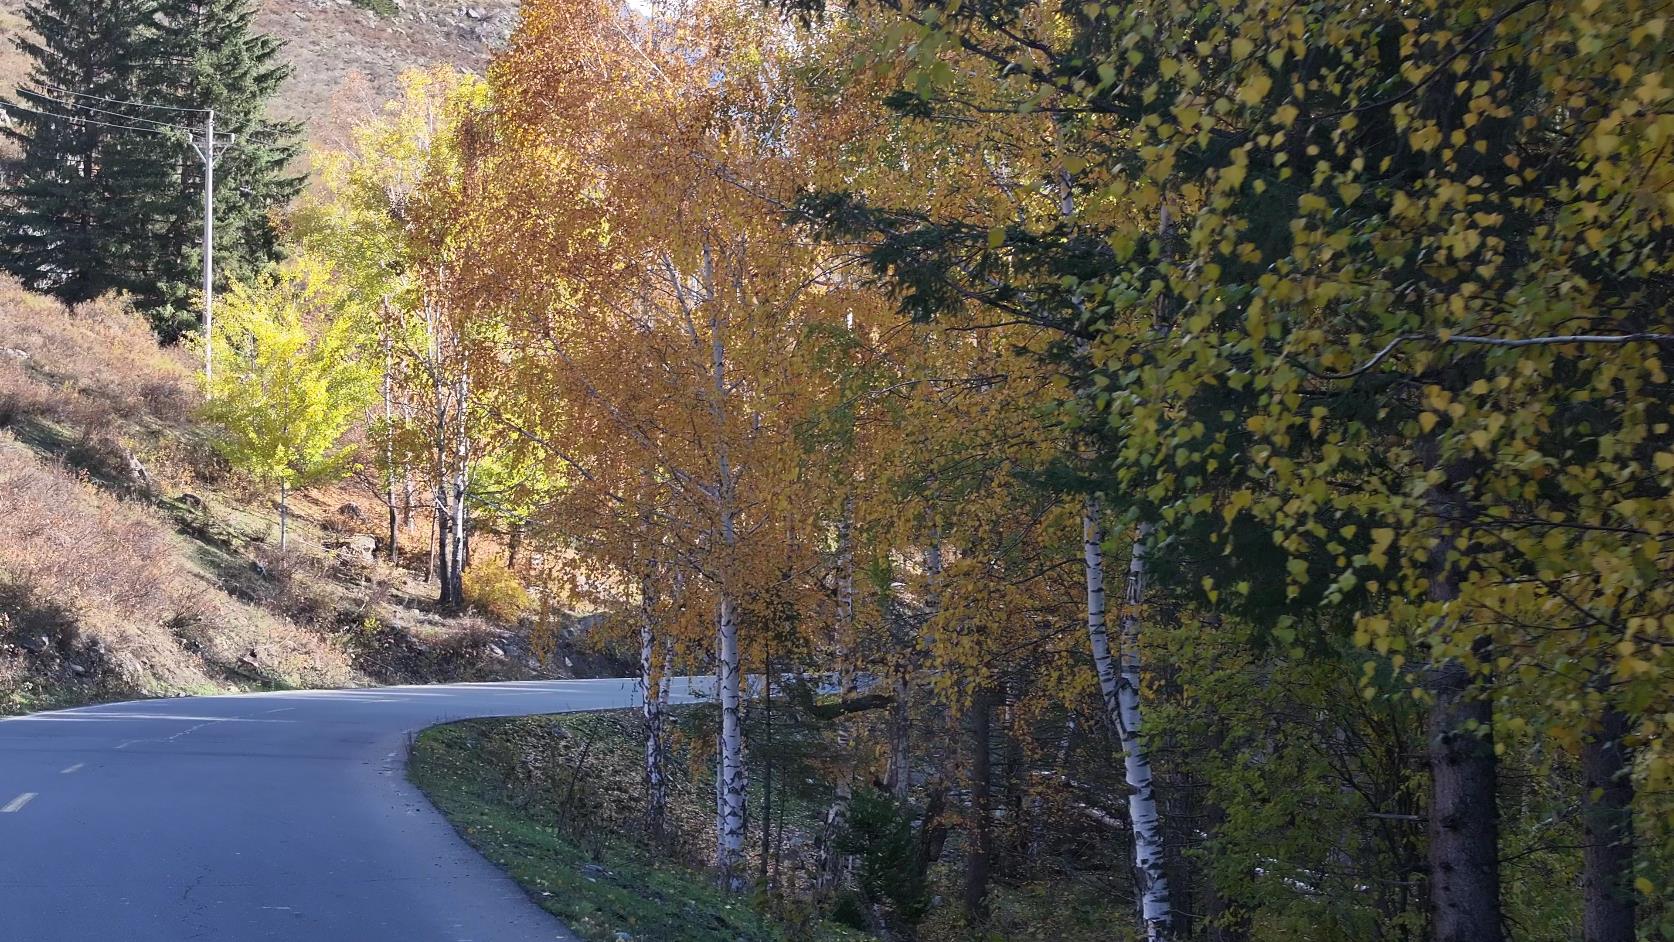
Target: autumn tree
<point x="293" y="386"/>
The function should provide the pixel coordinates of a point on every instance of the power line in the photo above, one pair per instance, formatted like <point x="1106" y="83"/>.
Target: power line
<point x="105" y="111"/>
<point x="117" y="101"/>
<point x="211" y="146"/>
<point x="222" y="143"/>
<point x="13" y="106"/>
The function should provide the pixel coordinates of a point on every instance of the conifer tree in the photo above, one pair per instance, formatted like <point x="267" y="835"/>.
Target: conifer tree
<point x="73" y="191"/>
<point x="210" y="57"/>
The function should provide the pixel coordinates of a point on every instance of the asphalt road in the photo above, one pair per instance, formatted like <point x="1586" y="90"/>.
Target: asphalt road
<point x="280" y="816"/>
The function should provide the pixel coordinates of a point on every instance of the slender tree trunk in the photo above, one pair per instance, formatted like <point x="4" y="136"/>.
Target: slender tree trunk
<point x="284" y="515"/>
<point x="1607" y="816"/>
<point x="461" y="486"/>
<point x="900" y="770"/>
<point x="832" y="864"/>
<point x="440" y="551"/>
<point x="407" y="500"/>
<point x="514" y="542"/>
<point x="389" y="438"/>
<point x="767" y="762"/>
<point x="1017" y="836"/>
<point x="731" y="832"/>
<point x="1120" y="688"/>
<point x="1148" y="850"/>
<point x="433" y="541"/>
<point x="652" y="683"/>
<point x="978" y="857"/>
<point x="730" y="826"/>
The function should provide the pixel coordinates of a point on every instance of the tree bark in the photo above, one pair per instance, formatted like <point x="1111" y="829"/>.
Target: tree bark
<point x="1607" y="816"/>
<point x="461" y="487"/>
<point x="1148" y="849"/>
<point x="389" y="437"/>
<point x="284" y="515"/>
<point x="978" y="859"/>
<point x="730" y="826"/>
<point x="651" y="681"/>
<point x="730" y="833"/>
<point x="899" y="773"/>
<point x="1464" y="816"/>
<point x="439" y="551"/>
<point x="767" y="762"/>
<point x="1464" y="772"/>
<point x="832" y="864"/>
<point x="1120" y="687"/>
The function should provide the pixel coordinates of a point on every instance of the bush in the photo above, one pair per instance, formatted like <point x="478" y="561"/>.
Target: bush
<point x="880" y="834"/>
<point x="495" y="590"/>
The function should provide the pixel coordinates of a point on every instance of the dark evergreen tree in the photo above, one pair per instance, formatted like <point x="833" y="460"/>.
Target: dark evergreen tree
<point x="75" y="192"/>
<point x="212" y="58"/>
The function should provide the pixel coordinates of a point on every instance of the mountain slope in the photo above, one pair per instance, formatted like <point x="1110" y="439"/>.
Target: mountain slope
<point x="348" y="57"/>
<point x="134" y="562"/>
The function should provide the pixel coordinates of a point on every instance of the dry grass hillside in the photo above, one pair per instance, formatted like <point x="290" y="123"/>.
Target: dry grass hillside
<point x="135" y="563"/>
<point x="348" y="54"/>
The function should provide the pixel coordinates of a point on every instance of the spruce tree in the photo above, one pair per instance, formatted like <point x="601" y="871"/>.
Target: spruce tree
<point x="210" y="57"/>
<point x="74" y="223"/>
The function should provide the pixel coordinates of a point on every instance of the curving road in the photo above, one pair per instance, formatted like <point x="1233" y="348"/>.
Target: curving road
<point x="278" y="816"/>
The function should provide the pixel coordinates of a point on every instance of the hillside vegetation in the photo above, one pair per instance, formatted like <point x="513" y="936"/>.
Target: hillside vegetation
<point x="138" y="564"/>
<point x="348" y="55"/>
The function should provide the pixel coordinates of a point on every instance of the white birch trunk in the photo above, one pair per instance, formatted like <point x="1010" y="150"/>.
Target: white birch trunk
<point x="730" y="853"/>
<point x="730" y="821"/>
<point x="1120" y="687"/>
<point x="832" y="865"/>
<point x="653" y="684"/>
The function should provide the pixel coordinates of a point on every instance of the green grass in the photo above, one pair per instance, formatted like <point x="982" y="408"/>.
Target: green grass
<point x="599" y="882"/>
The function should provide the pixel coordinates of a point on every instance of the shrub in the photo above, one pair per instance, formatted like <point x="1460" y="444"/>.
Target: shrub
<point x="880" y="834"/>
<point x="495" y="590"/>
<point x="20" y="396"/>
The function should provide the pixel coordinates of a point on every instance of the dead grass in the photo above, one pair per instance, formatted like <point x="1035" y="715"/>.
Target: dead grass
<point x="78" y="382"/>
<point x="101" y="351"/>
<point x="101" y="584"/>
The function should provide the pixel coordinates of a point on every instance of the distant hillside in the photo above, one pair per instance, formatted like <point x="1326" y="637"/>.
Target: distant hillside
<point x="134" y="562"/>
<point x="348" y="57"/>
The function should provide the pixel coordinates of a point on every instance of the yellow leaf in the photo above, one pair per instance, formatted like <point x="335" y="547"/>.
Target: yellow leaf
<point x="1256" y="88"/>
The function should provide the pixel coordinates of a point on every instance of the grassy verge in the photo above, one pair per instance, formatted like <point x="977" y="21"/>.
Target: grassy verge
<point x="548" y="799"/>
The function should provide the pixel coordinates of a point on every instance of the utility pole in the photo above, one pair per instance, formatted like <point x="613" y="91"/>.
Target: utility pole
<point x="207" y="152"/>
<point x="208" y="244"/>
<point x="81" y="106"/>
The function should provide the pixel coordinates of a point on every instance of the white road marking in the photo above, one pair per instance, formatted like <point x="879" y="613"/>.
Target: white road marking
<point x="186" y="732"/>
<point x="16" y="804"/>
<point x="73" y="768"/>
